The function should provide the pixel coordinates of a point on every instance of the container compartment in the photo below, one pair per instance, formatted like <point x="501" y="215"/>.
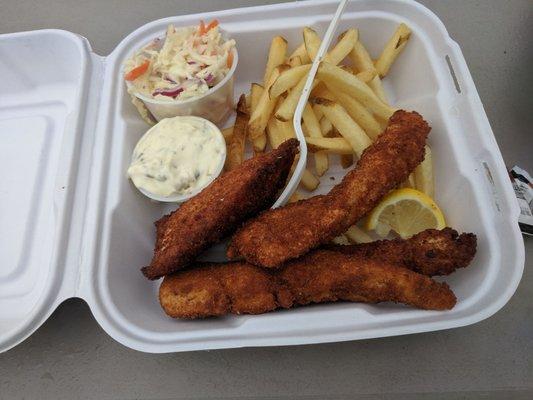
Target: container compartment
<point x="126" y="304"/>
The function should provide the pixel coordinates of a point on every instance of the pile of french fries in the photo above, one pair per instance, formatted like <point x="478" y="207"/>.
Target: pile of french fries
<point x="347" y="108"/>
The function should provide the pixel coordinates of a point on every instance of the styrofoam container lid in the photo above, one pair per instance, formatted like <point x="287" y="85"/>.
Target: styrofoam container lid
<point x="73" y="226"/>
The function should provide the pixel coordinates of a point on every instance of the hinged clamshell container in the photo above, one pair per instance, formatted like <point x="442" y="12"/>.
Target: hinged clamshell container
<point x="72" y="225"/>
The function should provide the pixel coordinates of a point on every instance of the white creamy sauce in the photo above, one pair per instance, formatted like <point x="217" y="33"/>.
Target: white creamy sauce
<point x="177" y="156"/>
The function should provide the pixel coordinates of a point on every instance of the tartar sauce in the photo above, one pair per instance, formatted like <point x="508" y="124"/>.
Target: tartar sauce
<point x="177" y="156"/>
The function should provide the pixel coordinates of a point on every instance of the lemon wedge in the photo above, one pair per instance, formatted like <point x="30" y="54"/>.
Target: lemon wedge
<point x="406" y="211"/>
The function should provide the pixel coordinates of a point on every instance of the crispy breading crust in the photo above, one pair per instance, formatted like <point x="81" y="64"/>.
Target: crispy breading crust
<point x="318" y="277"/>
<point x="219" y="209"/>
<point x="290" y="231"/>
<point x="431" y="252"/>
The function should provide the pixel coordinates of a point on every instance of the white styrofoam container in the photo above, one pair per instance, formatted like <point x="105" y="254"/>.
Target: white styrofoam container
<point x="72" y="225"/>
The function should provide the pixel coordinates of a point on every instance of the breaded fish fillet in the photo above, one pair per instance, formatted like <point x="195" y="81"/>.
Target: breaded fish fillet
<point x="318" y="277"/>
<point x="291" y="231"/>
<point x="431" y="252"/>
<point x="219" y="209"/>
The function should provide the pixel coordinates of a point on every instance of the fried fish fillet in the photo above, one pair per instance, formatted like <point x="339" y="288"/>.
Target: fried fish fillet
<point x="291" y="231"/>
<point x="431" y="252"/>
<point x="318" y="277"/>
<point x="219" y="209"/>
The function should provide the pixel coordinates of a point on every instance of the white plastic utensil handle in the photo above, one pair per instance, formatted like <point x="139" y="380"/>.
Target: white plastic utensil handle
<point x="297" y="120"/>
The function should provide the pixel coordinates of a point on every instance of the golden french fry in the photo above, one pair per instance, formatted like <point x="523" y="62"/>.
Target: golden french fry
<point x="337" y="145"/>
<point x="309" y="181"/>
<point x="325" y="125"/>
<point x="313" y="129"/>
<point x="360" y="114"/>
<point x="377" y="87"/>
<point x="339" y="52"/>
<point x="274" y="133"/>
<point x="318" y="113"/>
<point x="345" y="125"/>
<point x="392" y="49"/>
<point x="295" y="61"/>
<point x="287" y="129"/>
<point x="256" y="90"/>
<point x="366" y="76"/>
<point x="285" y="111"/>
<point x="360" y="58"/>
<point x="296" y="196"/>
<point x="265" y="106"/>
<point x="301" y="52"/>
<point x="343" y="47"/>
<point x="350" y="84"/>
<point x="311" y="42"/>
<point x="255" y="94"/>
<point x="357" y="235"/>
<point x="362" y="61"/>
<point x="409" y="182"/>
<point x="288" y="79"/>
<point x="321" y="162"/>
<point x="235" y="150"/>
<point x="342" y="240"/>
<point x="227" y="133"/>
<point x="424" y="175"/>
<point x="276" y="56"/>
<point x="346" y="160"/>
<point x="321" y="90"/>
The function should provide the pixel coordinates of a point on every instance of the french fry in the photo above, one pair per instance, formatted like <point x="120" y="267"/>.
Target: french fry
<point x="255" y="94"/>
<point x="296" y="196"/>
<point x="274" y="133"/>
<point x="325" y="125"/>
<point x="317" y="112"/>
<point x="337" y="145"/>
<point x="377" y="87"/>
<point x="341" y="239"/>
<point x="362" y="61"/>
<point x="366" y="76"/>
<point x="301" y="52"/>
<point x="311" y="42"/>
<point x="285" y="111"/>
<point x="288" y="79"/>
<point x="339" y="52"/>
<point x="321" y="162"/>
<point x="259" y="143"/>
<point x="276" y="56"/>
<point x="360" y="114"/>
<point x="346" y="160"/>
<point x="265" y="106"/>
<point x="227" y="133"/>
<point x="287" y="130"/>
<point x="357" y="235"/>
<point x="309" y="181"/>
<point x="313" y="128"/>
<point x="322" y="91"/>
<point x="235" y="151"/>
<point x="409" y="182"/>
<point x="424" y="175"/>
<point x="295" y="61"/>
<point x="392" y="49"/>
<point x="350" y="84"/>
<point x="343" y="47"/>
<point x="345" y="125"/>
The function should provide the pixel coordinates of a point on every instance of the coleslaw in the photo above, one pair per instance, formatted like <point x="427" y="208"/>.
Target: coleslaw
<point x="185" y="64"/>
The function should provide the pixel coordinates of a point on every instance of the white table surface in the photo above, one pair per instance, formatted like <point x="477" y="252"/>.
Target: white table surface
<point x="70" y="356"/>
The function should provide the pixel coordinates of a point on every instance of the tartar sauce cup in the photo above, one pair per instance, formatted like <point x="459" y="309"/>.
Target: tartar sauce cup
<point x="219" y="142"/>
<point x="215" y="105"/>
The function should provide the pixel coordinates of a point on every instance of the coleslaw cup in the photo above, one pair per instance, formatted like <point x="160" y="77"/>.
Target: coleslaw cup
<point x="215" y="105"/>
